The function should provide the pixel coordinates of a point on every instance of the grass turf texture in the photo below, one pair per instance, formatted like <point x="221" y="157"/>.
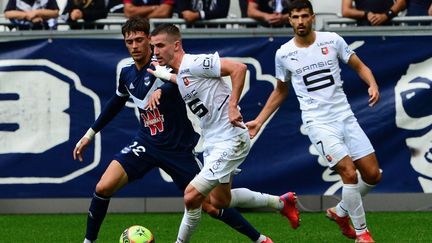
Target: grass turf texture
<point x="315" y="227"/>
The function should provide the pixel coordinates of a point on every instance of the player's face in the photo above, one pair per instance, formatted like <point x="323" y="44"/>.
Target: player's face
<point x="138" y="45"/>
<point x="301" y="21"/>
<point x="163" y="48"/>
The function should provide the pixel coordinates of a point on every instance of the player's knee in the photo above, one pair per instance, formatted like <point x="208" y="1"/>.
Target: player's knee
<point x="372" y="178"/>
<point x="349" y="176"/>
<point x="192" y="200"/>
<point x="104" y="190"/>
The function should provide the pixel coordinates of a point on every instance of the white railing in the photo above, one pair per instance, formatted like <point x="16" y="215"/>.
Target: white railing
<point x="229" y="27"/>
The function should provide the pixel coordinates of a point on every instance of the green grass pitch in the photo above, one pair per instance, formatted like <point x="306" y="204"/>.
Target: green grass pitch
<point x="385" y="227"/>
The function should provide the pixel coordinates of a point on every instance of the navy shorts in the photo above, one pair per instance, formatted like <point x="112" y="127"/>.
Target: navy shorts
<point x="138" y="158"/>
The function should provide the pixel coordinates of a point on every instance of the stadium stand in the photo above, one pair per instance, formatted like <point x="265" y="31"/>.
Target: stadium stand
<point x="328" y="18"/>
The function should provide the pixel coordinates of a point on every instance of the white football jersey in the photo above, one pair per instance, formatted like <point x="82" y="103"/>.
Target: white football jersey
<point x="315" y="75"/>
<point x="207" y="95"/>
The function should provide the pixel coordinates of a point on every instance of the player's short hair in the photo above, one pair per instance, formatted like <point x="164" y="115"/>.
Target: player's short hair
<point x="300" y="4"/>
<point x="168" y="29"/>
<point x="136" y="24"/>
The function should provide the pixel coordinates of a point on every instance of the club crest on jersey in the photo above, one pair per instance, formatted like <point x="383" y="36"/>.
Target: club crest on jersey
<point x="329" y="158"/>
<point x="324" y="50"/>
<point x="186" y="81"/>
<point x="153" y="120"/>
<point x="147" y="80"/>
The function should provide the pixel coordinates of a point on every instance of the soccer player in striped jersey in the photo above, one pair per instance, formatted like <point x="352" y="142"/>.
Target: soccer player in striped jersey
<point x="226" y="139"/>
<point x="310" y="62"/>
<point x="165" y="138"/>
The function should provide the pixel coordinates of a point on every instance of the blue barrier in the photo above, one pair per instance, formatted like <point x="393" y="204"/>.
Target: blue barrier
<point x="51" y="91"/>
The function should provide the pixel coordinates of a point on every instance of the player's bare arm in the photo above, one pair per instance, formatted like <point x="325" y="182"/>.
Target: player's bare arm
<point x="276" y="98"/>
<point x="237" y="72"/>
<point x="366" y="75"/>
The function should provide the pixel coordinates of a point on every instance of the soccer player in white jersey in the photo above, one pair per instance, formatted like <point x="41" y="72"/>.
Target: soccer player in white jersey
<point x="226" y="139"/>
<point x="310" y="62"/>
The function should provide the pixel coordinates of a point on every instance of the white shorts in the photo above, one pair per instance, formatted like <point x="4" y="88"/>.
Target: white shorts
<point x="338" y="139"/>
<point x="221" y="160"/>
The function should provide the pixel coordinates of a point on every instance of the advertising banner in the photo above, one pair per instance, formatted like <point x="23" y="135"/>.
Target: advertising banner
<point x="52" y="91"/>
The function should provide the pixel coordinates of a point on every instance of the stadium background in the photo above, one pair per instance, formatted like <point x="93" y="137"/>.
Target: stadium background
<point x="53" y="85"/>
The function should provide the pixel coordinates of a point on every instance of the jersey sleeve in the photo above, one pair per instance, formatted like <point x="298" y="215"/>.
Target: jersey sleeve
<point x="343" y="50"/>
<point x="206" y="65"/>
<point x="281" y="73"/>
<point x="121" y="89"/>
<point x="111" y="109"/>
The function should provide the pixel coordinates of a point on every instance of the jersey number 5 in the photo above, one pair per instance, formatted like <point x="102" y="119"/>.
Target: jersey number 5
<point x="197" y="107"/>
<point x="324" y="81"/>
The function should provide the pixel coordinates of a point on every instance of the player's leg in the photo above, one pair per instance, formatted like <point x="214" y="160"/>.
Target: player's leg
<point x="328" y="141"/>
<point x="363" y="155"/>
<point x="182" y="167"/>
<point x="193" y="200"/>
<point x="234" y="219"/>
<point x="285" y="204"/>
<point x="113" y="179"/>
<point x="126" y="166"/>
<point x="369" y="171"/>
<point x="351" y="197"/>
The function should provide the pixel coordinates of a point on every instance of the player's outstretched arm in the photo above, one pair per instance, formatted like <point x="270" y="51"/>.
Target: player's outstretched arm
<point x="276" y="98"/>
<point x="366" y="75"/>
<point x="82" y="144"/>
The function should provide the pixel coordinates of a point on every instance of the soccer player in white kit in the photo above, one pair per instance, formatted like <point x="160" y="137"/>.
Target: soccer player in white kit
<point x="310" y="62"/>
<point x="226" y="139"/>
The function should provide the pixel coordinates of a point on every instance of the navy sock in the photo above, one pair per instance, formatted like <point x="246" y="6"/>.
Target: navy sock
<point x="96" y="214"/>
<point x="233" y="218"/>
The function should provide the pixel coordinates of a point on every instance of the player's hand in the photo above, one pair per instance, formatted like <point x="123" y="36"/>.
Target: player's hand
<point x="235" y="117"/>
<point x="154" y="99"/>
<point x="374" y="95"/>
<point x="80" y="147"/>
<point x="253" y="126"/>
<point x="161" y="72"/>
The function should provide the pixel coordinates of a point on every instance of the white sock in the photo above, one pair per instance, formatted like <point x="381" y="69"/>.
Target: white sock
<point x="88" y="241"/>
<point x="261" y="239"/>
<point x="363" y="187"/>
<point x="245" y="198"/>
<point x="354" y="205"/>
<point x="188" y="224"/>
<point x="341" y="210"/>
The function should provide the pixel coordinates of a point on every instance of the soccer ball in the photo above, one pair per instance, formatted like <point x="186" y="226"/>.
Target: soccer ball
<point x="136" y="234"/>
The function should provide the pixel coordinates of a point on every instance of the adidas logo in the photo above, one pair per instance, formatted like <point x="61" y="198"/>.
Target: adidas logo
<point x="131" y="86"/>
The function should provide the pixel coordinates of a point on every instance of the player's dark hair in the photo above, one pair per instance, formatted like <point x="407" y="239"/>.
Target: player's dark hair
<point x="300" y="4"/>
<point x="169" y="29"/>
<point x="136" y="24"/>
